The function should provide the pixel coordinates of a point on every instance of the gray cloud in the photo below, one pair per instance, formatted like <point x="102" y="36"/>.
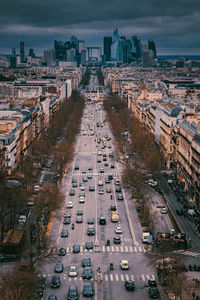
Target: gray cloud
<point x="174" y="24"/>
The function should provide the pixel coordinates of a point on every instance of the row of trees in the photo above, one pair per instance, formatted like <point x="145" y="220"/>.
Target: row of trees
<point x="100" y="77"/>
<point x="85" y="79"/>
<point x="55" y="143"/>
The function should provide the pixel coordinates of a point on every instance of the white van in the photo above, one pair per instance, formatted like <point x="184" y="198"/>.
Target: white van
<point x="100" y="183"/>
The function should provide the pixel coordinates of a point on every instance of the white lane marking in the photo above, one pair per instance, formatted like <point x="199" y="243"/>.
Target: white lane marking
<point x="131" y="249"/>
<point x="135" y="249"/>
<point x="127" y="277"/>
<point x="122" y="249"/>
<point x="132" y="277"/>
<point x="106" y="277"/>
<point x="126" y="248"/>
<point x="112" y="248"/>
<point x="111" y="277"/>
<point x="122" y="277"/>
<point x="140" y="250"/>
<point x="116" y="277"/>
<point x="153" y="277"/>
<point x="103" y="248"/>
<point x="117" y="248"/>
<point x="148" y="277"/>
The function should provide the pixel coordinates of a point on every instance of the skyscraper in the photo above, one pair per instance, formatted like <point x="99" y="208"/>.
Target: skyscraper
<point x="107" y="42"/>
<point x="22" y="52"/>
<point x="152" y="46"/>
<point x="60" y="50"/>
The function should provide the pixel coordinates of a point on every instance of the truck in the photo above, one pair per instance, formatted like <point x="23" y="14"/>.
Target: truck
<point x="114" y="216"/>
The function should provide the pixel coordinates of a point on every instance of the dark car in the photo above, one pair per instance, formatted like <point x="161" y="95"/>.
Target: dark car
<point x="107" y="181"/>
<point x="129" y="285"/>
<point x="113" y="207"/>
<point x="179" y="212"/>
<point x="90" y="220"/>
<point x="79" y="219"/>
<point x="110" y="177"/>
<point x="120" y="197"/>
<point x="79" y="212"/>
<point x="76" y="248"/>
<point x="8" y="257"/>
<point x="55" y="281"/>
<point x="118" y="189"/>
<point x="76" y="167"/>
<point x="72" y="293"/>
<point x="74" y="180"/>
<point x="67" y="214"/>
<point x="90" y="168"/>
<point x="72" y="192"/>
<point x="117" y="240"/>
<point x="91" y="188"/>
<point x="87" y="273"/>
<point x="58" y="268"/>
<point x="67" y="220"/>
<point x="64" y="233"/>
<point x="52" y="297"/>
<point x="88" y="290"/>
<point x="154" y="292"/>
<point x="112" y="166"/>
<point x="82" y="194"/>
<point x="86" y="262"/>
<point x="89" y="245"/>
<point x="90" y="231"/>
<point x="62" y="251"/>
<point x="85" y="179"/>
<point x="102" y="220"/>
<point x="152" y="283"/>
<point x="74" y="185"/>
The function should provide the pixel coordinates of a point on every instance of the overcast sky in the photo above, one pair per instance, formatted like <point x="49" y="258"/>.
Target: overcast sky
<point x="173" y="24"/>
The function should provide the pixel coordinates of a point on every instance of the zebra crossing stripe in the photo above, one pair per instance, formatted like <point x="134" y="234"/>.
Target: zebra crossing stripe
<point x="121" y="248"/>
<point x="106" y="277"/>
<point x="117" y="249"/>
<point x="103" y="248"/>
<point x="122" y="277"/>
<point x="135" y="249"/>
<point x="131" y="249"/>
<point x="126" y="248"/>
<point x="153" y="277"/>
<point x="127" y="277"/>
<point x="148" y="277"/>
<point x="111" y="277"/>
<point x="132" y="277"/>
<point x="112" y="247"/>
<point x="117" y="277"/>
<point x="140" y="250"/>
<point x="143" y="278"/>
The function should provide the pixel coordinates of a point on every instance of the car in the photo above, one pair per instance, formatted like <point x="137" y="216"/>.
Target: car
<point x="86" y="262"/>
<point x="152" y="282"/>
<point x="124" y="264"/>
<point x="89" y="176"/>
<point x="81" y="183"/>
<point x="76" y="167"/>
<point x="89" y="245"/>
<point x="55" y="281"/>
<point x="179" y="212"/>
<point x="117" y="181"/>
<point x="58" y="268"/>
<point x="79" y="219"/>
<point x="67" y="214"/>
<point x="81" y="199"/>
<point x="100" y="183"/>
<point x="76" y="248"/>
<point x="106" y="164"/>
<point x="107" y="181"/>
<point x="118" y="230"/>
<point x="84" y="171"/>
<point x="90" y="231"/>
<point x="64" y="233"/>
<point x="90" y="168"/>
<point x="52" y="297"/>
<point x="82" y="194"/>
<point x="73" y="271"/>
<point x="110" y="176"/>
<point x="104" y="159"/>
<point x="102" y="220"/>
<point x="118" y="189"/>
<point x="112" y="166"/>
<point x="117" y="240"/>
<point x="91" y="188"/>
<point x="8" y="257"/>
<point x="101" y="170"/>
<point x="108" y="190"/>
<point x="99" y="160"/>
<point x="72" y="192"/>
<point x="74" y="185"/>
<point x="74" y="179"/>
<point x="154" y="292"/>
<point x="85" y="179"/>
<point x="70" y="204"/>
<point x="101" y="192"/>
<point x="90" y="221"/>
<point x="113" y="207"/>
<point x="67" y="220"/>
<point x="163" y="210"/>
<point x="62" y="251"/>
<point x="79" y="212"/>
<point x="82" y="188"/>
<point x="129" y="285"/>
<point x="120" y="197"/>
<point x="88" y="290"/>
<point x="87" y="273"/>
<point x="72" y="293"/>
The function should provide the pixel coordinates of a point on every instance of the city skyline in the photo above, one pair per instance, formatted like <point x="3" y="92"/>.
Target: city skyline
<point x="169" y="23"/>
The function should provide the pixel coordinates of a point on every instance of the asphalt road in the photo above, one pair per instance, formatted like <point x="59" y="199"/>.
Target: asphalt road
<point x="96" y="205"/>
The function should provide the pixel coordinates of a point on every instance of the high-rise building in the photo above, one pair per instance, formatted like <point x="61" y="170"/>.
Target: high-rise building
<point x="107" y="42"/>
<point x="152" y="46"/>
<point x="81" y="46"/>
<point x="31" y="53"/>
<point x="147" y="57"/>
<point x="115" y="47"/>
<point x="49" y="57"/>
<point x="22" y="52"/>
<point x="60" y="50"/>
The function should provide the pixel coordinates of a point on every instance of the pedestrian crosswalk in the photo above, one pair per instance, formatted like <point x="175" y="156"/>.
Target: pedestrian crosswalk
<point x="107" y="277"/>
<point x="187" y="253"/>
<point x="111" y="249"/>
<point x="96" y="174"/>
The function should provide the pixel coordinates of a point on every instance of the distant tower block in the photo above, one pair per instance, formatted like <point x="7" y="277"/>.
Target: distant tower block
<point x="93" y="53"/>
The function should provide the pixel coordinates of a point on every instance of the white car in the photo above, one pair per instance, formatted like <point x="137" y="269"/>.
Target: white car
<point x="82" y="188"/>
<point x="73" y="271"/>
<point x="124" y="264"/>
<point x="70" y="204"/>
<point x="101" y="192"/>
<point x="102" y="170"/>
<point x="81" y="199"/>
<point x="118" y="229"/>
<point x="163" y="210"/>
